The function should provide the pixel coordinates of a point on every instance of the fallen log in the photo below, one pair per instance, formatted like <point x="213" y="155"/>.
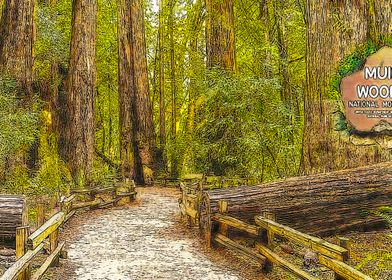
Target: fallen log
<point x="320" y="204"/>
<point x="13" y="214"/>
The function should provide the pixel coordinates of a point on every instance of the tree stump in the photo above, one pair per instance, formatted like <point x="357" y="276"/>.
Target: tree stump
<point x="13" y="214"/>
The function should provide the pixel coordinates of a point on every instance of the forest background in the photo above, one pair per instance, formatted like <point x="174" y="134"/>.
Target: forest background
<point x="92" y="90"/>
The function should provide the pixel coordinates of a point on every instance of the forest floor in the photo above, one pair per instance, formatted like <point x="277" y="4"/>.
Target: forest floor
<point x="149" y="240"/>
<point x="146" y="240"/>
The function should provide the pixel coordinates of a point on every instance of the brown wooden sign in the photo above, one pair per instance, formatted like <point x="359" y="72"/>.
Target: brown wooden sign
<point x="367" y="94"/>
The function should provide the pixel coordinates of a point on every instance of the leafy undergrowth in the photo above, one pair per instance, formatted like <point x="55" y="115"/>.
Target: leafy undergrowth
<point x="372" y="253"/>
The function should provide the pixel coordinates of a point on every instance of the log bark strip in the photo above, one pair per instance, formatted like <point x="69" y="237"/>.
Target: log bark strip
<point x="320" y="204"/>
<point x="13" y="214"/>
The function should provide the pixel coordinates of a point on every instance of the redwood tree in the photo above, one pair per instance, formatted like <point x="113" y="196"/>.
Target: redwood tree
<point x="126" y="90"/>
<point x="335" y="30"/>
<point x="220" y="39"/>
<point x="16" y="42"/>
<point x="137" y="132"/>
<point x="145" y="135"/>
<point x="81" y="86"/>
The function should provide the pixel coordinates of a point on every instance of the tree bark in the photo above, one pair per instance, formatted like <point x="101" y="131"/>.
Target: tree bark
<point x="195" y="63"/>
<point x="135" y="104"/>
<point x="220" y="39"/>
<point x="145" y="129"/>
<point x="81" y="86"/>
<point x="335" y="30"/>
<point x="16" y="42"/>
<point x="126" y="90"/>
<point x="162" y="109"/>
<point x="321" y="204"/>
<point x="173" y="88"/>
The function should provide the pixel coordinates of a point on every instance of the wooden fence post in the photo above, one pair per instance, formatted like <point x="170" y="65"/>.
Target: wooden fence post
<point x="270" y="235"/>
<point x="223" y="210"/>
<point x="346" y="244"/>
<point x="40" y="215"/>
<point x="53" y="243"/>
<point x="268" y="239"/>
<point x="22" y="234"/>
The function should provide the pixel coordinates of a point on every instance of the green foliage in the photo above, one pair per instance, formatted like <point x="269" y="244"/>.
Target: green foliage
<point x="386" y="213"/>
<point x="18" y="125"/>
<point x="106" y="102"/>
<point x="349" y="65"/>
<point x="377" y="264"/>
<point x="53" y="175"/>
<point x="52" y="44"/>
<point x="244" y="129"/>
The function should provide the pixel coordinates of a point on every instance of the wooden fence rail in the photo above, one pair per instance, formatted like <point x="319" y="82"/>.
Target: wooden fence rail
<point x="332" y="256"/>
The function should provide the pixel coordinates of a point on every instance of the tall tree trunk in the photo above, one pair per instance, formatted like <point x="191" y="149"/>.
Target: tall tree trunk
<point x="220" y="39"/>
<point x="126" y="90"/>
<point x="16" y="42"/>
<point x="137" y="130"/>
<point x="281" y="42"/>
<point x="335" y="30"/>
<point x="195" y="61"/>
<point x="81" y="86"/>
<point x="145" y="136"/>
<point x="266" y="17"/>
<point x="162" y="109"/>
<point x="173" y="88"/>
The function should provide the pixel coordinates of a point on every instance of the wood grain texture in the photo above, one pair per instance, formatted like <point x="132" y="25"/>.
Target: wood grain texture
<point x="320" y="204"/>
<point x="13" y="214"/>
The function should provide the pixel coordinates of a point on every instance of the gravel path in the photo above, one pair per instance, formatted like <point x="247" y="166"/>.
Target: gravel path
<point x="138" y="242"/>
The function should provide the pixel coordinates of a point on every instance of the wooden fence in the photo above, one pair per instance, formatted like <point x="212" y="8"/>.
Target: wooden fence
<point x="28" y="246"/>
<point x="331" y="256"/>
<point x="192" y="187"/>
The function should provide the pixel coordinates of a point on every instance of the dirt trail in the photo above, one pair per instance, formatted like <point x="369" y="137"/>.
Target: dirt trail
<point x="136" y="242"/>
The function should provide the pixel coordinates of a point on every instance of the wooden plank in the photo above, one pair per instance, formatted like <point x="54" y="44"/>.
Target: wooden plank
<point x="342" y="269"/>
<point x="107" y="203"/>
<point x="48" y="262"/>
<point x="126" y="194"/>
<point x="53" y="244"/>
<point x="94" y="191"/>
<point x="223" y="228"/>
<point x="235" y="223"/>
<point x="21" y="264"/>
<point x="81" y="191"/>
<point x="234" y="246"/>
<point x="274" y="258"/>
<point x="45" y="230"/>
<point x="314" y="243"/>
<point x="21" y="239"/>
<point x="191" y="212"/>
<point x="190" y="177"/>
<point x="86" y="204"/>
<point x="69" y="199"/>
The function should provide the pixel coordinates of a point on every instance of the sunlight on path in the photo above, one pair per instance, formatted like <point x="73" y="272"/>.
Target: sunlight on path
<point x="130" y="244"/>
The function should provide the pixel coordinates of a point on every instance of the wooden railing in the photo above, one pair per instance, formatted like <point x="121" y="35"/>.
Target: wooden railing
<point x="332" y="256"/>
<point x="28" y="246"/>
<point x="192" y="187"/>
